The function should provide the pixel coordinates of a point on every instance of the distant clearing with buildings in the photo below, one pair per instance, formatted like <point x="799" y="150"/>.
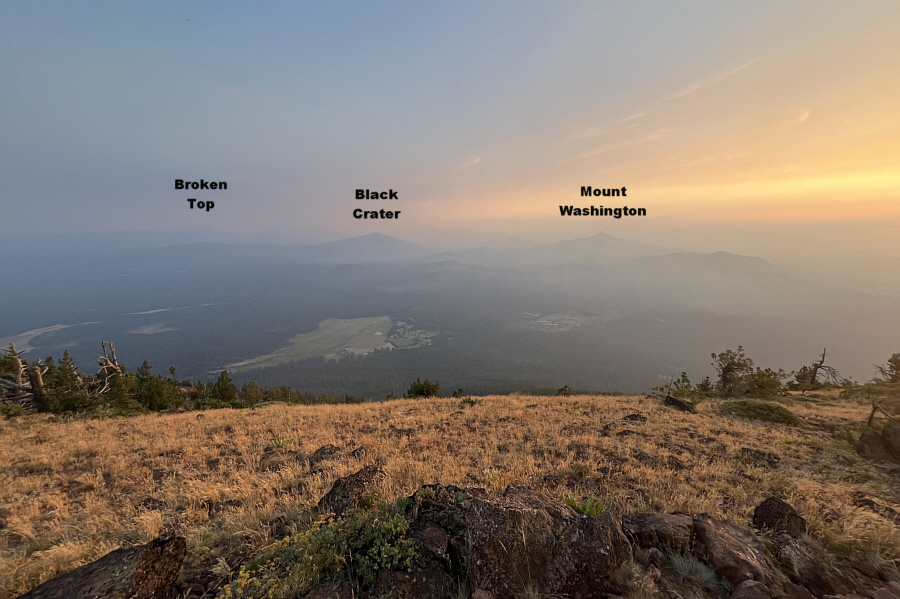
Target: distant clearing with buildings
<point x="338" y="337"/>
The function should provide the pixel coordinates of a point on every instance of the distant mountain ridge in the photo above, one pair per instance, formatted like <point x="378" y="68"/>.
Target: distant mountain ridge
<point x="374" y="247"/>
<point x="636" y="310"/>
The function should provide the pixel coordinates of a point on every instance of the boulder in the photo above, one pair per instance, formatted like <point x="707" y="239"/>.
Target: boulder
<point x="780" y="516"/>
<point x="525" y="542"/>
<point x="664" y="531"/>
<point x="276" y="458"/>
<point x="891" y="437"/>
<point x="871" y="445"/>
<point x="326" y="452"/>
<point x="144" y="572"/>
<point x="751" y="589"/>
<point x="805" y="565"/>
<point x="891" y="591"/>
<point x="885" y="511"/>
<point x="680" y="404"/>
<point x="732" y="551"/>
<point x="347" y="492"/>
<point x="793" y="591"/>
<point x="431" y="581"/>
<point x="434" y="543"/>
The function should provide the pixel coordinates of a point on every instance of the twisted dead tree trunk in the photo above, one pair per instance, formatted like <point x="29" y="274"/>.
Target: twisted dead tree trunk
<point x="35" y="376"/>
<point x="831" y="374"/>
<point x="109" y="365"/>
<point x="20" y="364"/>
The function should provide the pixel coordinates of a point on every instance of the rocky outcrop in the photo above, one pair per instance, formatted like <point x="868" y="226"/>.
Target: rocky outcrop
<point x="732" y="551"/>
<point x="144" y="572"/>
<point x="750" y="589"/>
<point x="520" y="542"/>
<point x="347" y="492"/>
<point x="891" y="591"/>
<point x="871" y="446"/>
<point x="669" y="532"/>
<point x="326" y="452"/>
<point x="525" y="542"/>
<point x="778" y="515"/>
<point x="805" y="565"/>
<point x="680" y="404"/>
<point x="891" y="437"/>
<point x="432" y="581"/>
<point x="276" y="458"/>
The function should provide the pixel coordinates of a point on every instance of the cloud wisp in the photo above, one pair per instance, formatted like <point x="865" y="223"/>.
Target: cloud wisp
<point x="695" y="87"/>
<point x="652" y="136"/>
<point x="470" y="164"/>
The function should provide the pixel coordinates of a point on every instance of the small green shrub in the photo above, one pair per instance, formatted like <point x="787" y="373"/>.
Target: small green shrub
<point x="11" y="410"/>
<point x="357" y="546"/>
<point x="470" y="402"/>
<point x="589" y="506"/>
<point x="564" y="391"/>
<point x="760" y="410"/>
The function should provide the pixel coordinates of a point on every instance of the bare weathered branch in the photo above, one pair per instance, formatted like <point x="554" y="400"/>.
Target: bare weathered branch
<point x="20" y="364"/>
<point x="109" y="363"/>
<point x="831" y="373"/>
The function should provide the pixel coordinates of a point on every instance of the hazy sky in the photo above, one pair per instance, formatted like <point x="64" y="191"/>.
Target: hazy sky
<point x="751" y="127"/>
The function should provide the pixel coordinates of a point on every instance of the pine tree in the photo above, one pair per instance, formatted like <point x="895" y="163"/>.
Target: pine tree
<point x="890" y="373"/>
<point x="733" y="368"/>
<point x="251" y="394"/>
<point x="66" y="393"/>
<point x="121" y="392"/>
<point x="224" y="390"/>
<point x="155" y="393"/>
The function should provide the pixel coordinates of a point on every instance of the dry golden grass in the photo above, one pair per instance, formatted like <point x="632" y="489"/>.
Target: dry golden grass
<point x="72" y="491"/>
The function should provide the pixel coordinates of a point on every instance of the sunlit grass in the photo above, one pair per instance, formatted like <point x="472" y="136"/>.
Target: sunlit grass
<point x="72" y="491"/>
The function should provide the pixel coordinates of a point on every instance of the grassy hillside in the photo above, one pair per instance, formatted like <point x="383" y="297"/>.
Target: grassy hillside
<point x="232" y="481"/>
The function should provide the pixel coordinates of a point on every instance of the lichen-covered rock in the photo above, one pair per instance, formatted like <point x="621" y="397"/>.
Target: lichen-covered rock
<point x="435" y="509"/>
<point x="871" y="445"/>
<point x="891" y="591"/>
<point x="326" y="452"/>
<point x="276" y="458"/>
<point x="780" y="516"/>
<point x="348" y="491"/>
<point x="664" y="531"/>
<point x="751" y="589"/>
<point x="524" y="541"/>
<point x="144" y="572"/>
<point x="680" y="404"/>
<point x="733" y="551"/>
<point x="891" y="437"/>
<point x="431" y="581"/>
<point x="805" y="565"/>
<point x="434" y="542"/>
